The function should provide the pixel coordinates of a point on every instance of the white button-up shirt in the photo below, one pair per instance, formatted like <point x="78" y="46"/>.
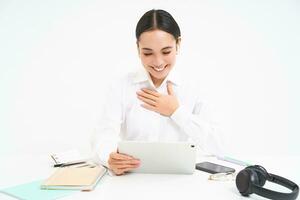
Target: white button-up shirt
<point x="125" y="119"/>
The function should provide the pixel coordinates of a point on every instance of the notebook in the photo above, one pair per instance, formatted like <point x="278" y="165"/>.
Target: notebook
<point x="33" y="191"/>
<point x="82" y="177"/>
<point x="67" y="157"/>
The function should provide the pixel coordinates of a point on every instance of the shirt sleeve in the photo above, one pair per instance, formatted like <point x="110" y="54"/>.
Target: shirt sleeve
<point x="106" y="136"/>
<point x="200" y="127"/>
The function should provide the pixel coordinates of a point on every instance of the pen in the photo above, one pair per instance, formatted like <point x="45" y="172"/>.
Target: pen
<point x="235" y="161"/>
<point x="67" y="164"/>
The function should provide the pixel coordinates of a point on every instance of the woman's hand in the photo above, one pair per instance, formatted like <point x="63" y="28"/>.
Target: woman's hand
<point x="154" y="101"/>
<point x="121" y="163"/>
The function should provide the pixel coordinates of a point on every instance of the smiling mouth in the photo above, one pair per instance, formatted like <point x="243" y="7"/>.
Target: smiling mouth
<point x="159" y="69"/>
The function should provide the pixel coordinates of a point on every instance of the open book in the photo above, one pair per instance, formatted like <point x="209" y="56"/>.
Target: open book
<point x="81" y="177"/>
<point x="68" y="157"/>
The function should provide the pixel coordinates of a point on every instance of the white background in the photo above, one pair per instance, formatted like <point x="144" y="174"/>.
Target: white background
<point x="57" y="59"/>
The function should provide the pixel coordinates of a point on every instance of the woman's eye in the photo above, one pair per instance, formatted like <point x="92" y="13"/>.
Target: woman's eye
<point x="165" y="53"/>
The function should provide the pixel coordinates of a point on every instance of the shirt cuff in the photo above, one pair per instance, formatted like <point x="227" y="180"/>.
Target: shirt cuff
<point x="180" y="116"/>
<point x="102" y="153"/>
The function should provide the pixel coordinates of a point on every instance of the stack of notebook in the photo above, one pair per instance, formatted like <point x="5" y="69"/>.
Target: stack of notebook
<point x="75" y="177"/>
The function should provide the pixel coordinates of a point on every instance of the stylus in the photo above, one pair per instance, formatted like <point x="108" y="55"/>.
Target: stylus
<point x="68" y="164"/>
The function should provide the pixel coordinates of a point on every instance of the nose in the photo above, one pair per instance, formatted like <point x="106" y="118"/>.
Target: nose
<point x="157" y="61"/>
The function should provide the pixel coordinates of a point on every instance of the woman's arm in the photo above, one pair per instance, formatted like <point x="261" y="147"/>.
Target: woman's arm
<point x="200" y="126"/>
<point x="106" y="138"/>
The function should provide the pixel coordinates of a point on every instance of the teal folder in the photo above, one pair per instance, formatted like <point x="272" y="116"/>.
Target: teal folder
<point x="33" y="191"/>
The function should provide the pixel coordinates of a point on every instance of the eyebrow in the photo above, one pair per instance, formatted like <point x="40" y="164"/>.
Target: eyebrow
<point x="168" y="47"/>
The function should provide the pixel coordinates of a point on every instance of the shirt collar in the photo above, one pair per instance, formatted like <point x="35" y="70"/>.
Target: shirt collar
<point x="142" y="75"/>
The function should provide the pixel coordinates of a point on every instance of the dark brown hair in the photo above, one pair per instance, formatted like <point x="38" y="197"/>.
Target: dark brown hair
<point x="157" y="19"/>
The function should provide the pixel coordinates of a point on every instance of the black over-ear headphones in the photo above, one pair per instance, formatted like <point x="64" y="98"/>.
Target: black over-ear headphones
<point x="252" y="179"/>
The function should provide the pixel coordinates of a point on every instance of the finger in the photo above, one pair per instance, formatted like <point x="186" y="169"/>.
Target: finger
<point x="152" y="92"/>
<point x="126" y="170"/>
<point x="146" y="95"/>
<point x="118" y="164"/>
<point x="127" y="162"/>
<point x="118" y="172"/>
<point x="148" y="107"/>
<point x="127" y="167"/>
<point x="123" y="169"/>
<point x="120" y="167"/>
<point x="170" y="88"/>
<point x="119" y="156"/>
<point x="148" y="101"/>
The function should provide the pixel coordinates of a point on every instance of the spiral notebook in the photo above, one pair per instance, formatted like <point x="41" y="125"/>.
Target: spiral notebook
<point x="67" y="157"/>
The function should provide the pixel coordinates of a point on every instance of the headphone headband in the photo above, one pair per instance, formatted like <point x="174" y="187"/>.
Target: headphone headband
<point x="253" y="185"/>
<point x="278" y="195"/>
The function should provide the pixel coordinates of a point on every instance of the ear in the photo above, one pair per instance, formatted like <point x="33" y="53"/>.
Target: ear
<point x="138" y="49"/>
<point x="178" y="42"/>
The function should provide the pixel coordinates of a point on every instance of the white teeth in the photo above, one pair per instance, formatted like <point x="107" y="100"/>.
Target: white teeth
<point x="159" y="69"/>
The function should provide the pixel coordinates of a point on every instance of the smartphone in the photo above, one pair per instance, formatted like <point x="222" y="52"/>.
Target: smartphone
<point x="213" y="168"/>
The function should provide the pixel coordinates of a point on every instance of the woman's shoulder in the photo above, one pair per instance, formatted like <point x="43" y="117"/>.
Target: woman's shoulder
<point x="121" y="80"/>
<point x="130" y="76"/>
<point x="122" y="83"/>
<point x="192" y="88"/>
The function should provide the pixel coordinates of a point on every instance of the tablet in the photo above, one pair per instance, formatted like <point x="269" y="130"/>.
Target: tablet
<point x="161" y="157"/>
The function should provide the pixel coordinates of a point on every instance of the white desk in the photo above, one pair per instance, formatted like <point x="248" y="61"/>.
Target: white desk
<point x="17" y="169"/>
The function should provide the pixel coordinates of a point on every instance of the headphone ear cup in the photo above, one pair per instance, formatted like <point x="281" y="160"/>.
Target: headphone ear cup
<point x="254" y="178"/>
<point x="263" y="175"/>
<point x="259" y="173"/>
<point x="243" y="182"/>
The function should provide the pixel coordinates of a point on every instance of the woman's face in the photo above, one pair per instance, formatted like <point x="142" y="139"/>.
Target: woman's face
<point x="157" y="50"/>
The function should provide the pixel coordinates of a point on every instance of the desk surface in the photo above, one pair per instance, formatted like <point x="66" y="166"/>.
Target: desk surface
<point x="17" y="169"/>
